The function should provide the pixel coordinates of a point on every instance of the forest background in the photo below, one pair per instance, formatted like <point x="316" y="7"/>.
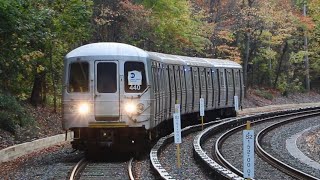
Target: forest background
<point x="276" y="41"/>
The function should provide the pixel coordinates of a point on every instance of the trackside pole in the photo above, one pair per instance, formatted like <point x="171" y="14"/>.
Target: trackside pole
<point x="248" y="152"/>
<point x="202" y="110"/>
<point x="177" y="133"/>
<point x="236" y="103"/>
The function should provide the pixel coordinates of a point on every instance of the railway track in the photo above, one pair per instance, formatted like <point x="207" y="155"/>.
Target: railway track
<point x="294" y="172"/>
<point x="290" y="117"/>
<point x="85" y="169"/>
<point x="218" y="167"/>
<point x="293" y="116"/>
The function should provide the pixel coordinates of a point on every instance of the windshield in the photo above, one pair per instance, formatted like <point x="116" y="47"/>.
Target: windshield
<point x="107" y="77"/>
<point x="78" y="77"/>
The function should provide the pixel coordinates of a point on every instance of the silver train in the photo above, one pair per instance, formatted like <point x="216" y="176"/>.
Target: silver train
<point x="119" y="96"/>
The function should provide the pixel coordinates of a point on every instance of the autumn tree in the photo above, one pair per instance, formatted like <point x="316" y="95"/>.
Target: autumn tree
<point x="177" y="27"/>
<point x="35" y="37"/>
<point x="119" y="21"/>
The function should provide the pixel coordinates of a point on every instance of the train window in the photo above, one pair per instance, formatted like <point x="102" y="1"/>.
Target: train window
<point x="78" y="77"/>
<point x="171" y="75"/>
<point x="154" y="75"/>
<point x="195" y="77"/>
<point x="135" y="77"/>
<point x="209" y="81"/>
<point x="106" y="77"/>
<point x="222" y="79"/>
<point x="203" y="79"/>
<point x="177" y="77"/>
<point x="229" y="79"/>
<point x="183" y="83"/>
<point x="236" y="78"/>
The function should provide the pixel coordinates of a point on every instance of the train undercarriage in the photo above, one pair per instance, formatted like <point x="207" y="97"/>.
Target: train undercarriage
<point x="124" y="139"/>
<point x="135" y="140"/>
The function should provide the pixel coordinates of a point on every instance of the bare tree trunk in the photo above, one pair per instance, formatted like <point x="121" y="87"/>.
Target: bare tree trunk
<point x="247" y="50"/>
<point x="284" y="49"/>
<point x="44" y="90"/>
<point x="36" y="96"/>
<point x="306" y="59"/>
<point x="214" y="6"/>
<point x="245" y="64"/>
<point x="53" y="79"/>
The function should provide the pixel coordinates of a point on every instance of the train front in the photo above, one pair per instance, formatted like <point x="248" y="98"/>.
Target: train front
<point x="106" y="97"/>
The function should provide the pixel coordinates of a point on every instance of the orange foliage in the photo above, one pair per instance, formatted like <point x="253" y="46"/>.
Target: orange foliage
<point x="183" y="40"/>
<point x="229" y="52"/>
<point x="306" y="20"/>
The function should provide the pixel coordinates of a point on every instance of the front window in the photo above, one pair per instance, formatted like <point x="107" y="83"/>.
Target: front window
<point x="135" y="77"/>
<point x="107" y="77"/>
<point x="78" y="77"/>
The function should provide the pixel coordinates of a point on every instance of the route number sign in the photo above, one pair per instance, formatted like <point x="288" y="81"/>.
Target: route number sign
<point x="248" y="154"/>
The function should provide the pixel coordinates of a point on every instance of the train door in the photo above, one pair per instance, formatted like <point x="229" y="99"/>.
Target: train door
<point x="222" y="88"/>
<point x="189" y="89"/>
<point x="230" y="87"/>
<point x="177" y="83"/>
<point x="172" y="90"/>
<point x="196" y="89"/>
<point x="107" y="94"/>
<point x="155" y="91"/>
<point x="215" y="86"/>
<point x="166" y="91"/>
<point x="203" y="88"/>
<point x="241" y="86"/>
<point x="236" y="80"/>
<point x="209" y="88"/>
<point x="183" y="90"/>
<point x="162" y="91"/>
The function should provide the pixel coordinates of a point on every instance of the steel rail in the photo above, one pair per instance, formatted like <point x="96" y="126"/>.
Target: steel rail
<point x="162" y="142"/>
<point x="220" y="170"/>
<point x="78" y="168"/>
<point x="276" y="162"/>
<point x="217" y="155"/>
<point x="130" y="169"/>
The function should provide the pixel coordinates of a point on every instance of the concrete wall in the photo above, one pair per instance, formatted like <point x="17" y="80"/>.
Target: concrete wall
<point x="18" y="150"/>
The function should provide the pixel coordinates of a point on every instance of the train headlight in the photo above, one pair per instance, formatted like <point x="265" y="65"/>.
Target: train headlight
<point x="133" y="108"/>
<point x="130" y="108"/>
<point x="83" y="108"/>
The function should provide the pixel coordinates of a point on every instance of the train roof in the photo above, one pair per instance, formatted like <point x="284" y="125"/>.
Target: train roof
<point x="107" y="49"/>
<point x="192" y="61"/>
<point x="113" y="49"/>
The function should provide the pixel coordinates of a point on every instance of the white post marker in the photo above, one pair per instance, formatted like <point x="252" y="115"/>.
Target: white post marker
<point x="202" y="110"/>
<point x="236" y="103"/>
<point x="248" y="152"/>
<point x="177" y="131"/>
<point x="177" y="128"/>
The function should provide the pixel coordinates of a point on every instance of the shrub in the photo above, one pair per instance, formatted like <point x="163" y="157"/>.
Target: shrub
<point x="6" y="122"/>
<point x="263" y="93"/>
<point x="12" y="114"/>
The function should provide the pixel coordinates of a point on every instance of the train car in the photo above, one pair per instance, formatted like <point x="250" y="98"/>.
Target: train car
<point x="119" y="96"/>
